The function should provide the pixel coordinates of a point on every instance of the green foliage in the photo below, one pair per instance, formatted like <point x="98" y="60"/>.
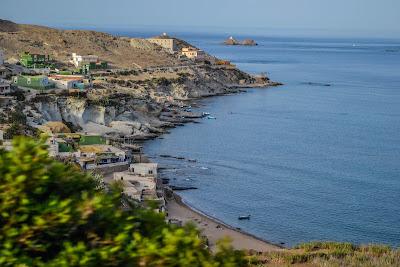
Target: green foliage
<point x="51" y="214"/>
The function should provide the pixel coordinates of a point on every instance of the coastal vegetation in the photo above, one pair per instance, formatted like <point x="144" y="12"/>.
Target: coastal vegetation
<point x="52" y="214"/>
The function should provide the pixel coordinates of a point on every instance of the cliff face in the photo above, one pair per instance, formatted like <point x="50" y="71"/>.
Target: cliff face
<point x="127" y="118"/>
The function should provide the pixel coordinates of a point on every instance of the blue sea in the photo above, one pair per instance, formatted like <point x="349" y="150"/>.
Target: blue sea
<point x="315" y="159"/>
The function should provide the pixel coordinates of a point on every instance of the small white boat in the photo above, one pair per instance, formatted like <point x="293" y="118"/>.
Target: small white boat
<point x="211" y="118"/>
<point x="206" y="113"/>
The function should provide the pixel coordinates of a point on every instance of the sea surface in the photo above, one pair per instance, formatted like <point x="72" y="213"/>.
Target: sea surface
<point x="315" y="159"/>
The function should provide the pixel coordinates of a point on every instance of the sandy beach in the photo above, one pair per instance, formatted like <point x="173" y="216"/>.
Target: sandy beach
<point x="215" y="230"/>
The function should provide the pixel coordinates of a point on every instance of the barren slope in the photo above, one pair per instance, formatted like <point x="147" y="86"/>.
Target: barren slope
<point x="60" y="44"/>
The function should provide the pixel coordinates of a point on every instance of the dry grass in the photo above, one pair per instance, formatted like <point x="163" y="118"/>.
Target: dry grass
<point x="329" y="254"/>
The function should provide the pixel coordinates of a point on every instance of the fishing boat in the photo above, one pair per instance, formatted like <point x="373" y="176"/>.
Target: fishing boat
<point x="244" y="217"/>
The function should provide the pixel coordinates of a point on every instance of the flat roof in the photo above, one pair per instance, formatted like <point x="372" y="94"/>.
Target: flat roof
<point x="99" y="149"/>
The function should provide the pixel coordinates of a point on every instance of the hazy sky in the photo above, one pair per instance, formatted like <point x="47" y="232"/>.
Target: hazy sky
<point x="328" y="17"/>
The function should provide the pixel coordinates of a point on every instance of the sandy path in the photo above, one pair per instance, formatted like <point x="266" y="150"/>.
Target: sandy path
<point x="215" y="230"/>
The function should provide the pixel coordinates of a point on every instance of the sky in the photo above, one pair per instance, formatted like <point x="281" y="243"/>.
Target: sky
<point x="367" y="18"/>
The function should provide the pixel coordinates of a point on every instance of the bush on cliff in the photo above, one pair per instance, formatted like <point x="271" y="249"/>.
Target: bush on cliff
<point x="52" y="214"/>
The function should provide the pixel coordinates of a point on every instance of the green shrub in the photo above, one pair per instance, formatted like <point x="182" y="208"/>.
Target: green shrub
<point x="52" y="214"/>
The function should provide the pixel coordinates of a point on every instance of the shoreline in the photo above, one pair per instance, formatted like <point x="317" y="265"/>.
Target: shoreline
<point x="214" y="229"/>
<point x="178" y="209"/>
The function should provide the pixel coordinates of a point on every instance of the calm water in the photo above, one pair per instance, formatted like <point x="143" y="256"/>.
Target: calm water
<point x="308" y="162"/>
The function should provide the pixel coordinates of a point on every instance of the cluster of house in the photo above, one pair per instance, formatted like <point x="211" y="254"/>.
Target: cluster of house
<point x="92" y="152"/>
<point x="171" y="45"/>
<point x="89" y="151"/>
<point x="43" y="76"/>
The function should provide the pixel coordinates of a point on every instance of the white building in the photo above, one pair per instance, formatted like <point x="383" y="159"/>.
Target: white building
<point x="144" y="169"/>
<point x="77" y="60"/>
<point x="101" y="156"/>
<point x="165" y="42"/>
<point x="137" y="187"/>
<point x="193" y="53"/>
<point x="67" y="81"/>
<point x="5" y="87"/>
<point x="141" y="188"/>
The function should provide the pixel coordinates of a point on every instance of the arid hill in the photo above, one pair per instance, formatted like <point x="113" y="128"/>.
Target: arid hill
<point x="60" y="44"/>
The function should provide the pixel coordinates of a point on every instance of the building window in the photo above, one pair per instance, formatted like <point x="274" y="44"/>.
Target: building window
<point x="150" y="172"/>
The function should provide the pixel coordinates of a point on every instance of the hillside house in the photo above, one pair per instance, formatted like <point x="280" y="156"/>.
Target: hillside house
<point x="141" y="188"/>
<point x="39" y="82"/>
<point x="165" y="42"/>
<point x="137" y="187"/>
<point x="4" y="72"/>
<point x="101" y="156"/>
<point x="35" y="61"/>
<point x="193" y="53"/>
<point x="5" y="87"/>
<point x="78" y="60"/>
<point x="68" y="81"/>
<point x="144" y="169"/>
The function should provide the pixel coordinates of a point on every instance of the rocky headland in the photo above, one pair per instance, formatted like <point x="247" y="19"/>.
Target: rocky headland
<point x="142" y="94"/>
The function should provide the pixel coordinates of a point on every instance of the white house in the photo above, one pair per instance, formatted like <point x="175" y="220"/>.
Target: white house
<point x="137" y="187"/>
<point x="5" y="87"/>
<point x="67" y="81"/>
<point x="144" y="169"/>
<point x="165" y="42"/>
<point x="101" y="156"/>
<point x="193" y="53"/>
<point x="77" y="60"/>
<point x="140" y="188"/>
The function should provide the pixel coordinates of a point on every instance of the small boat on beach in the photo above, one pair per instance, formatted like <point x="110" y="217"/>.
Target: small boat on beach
<point x="244" y="217"/>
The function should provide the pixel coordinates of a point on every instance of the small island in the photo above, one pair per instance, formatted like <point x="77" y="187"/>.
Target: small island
<point x="246" y="42"/>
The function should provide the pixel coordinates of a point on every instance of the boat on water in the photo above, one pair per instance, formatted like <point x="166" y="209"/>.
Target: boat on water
<point x="211" y="118"/>
<point x="244" y="217"/>
<point x="206" y="113"/>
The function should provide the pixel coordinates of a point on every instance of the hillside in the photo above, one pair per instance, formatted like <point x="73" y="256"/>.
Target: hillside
<point x="60" y="44"/>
